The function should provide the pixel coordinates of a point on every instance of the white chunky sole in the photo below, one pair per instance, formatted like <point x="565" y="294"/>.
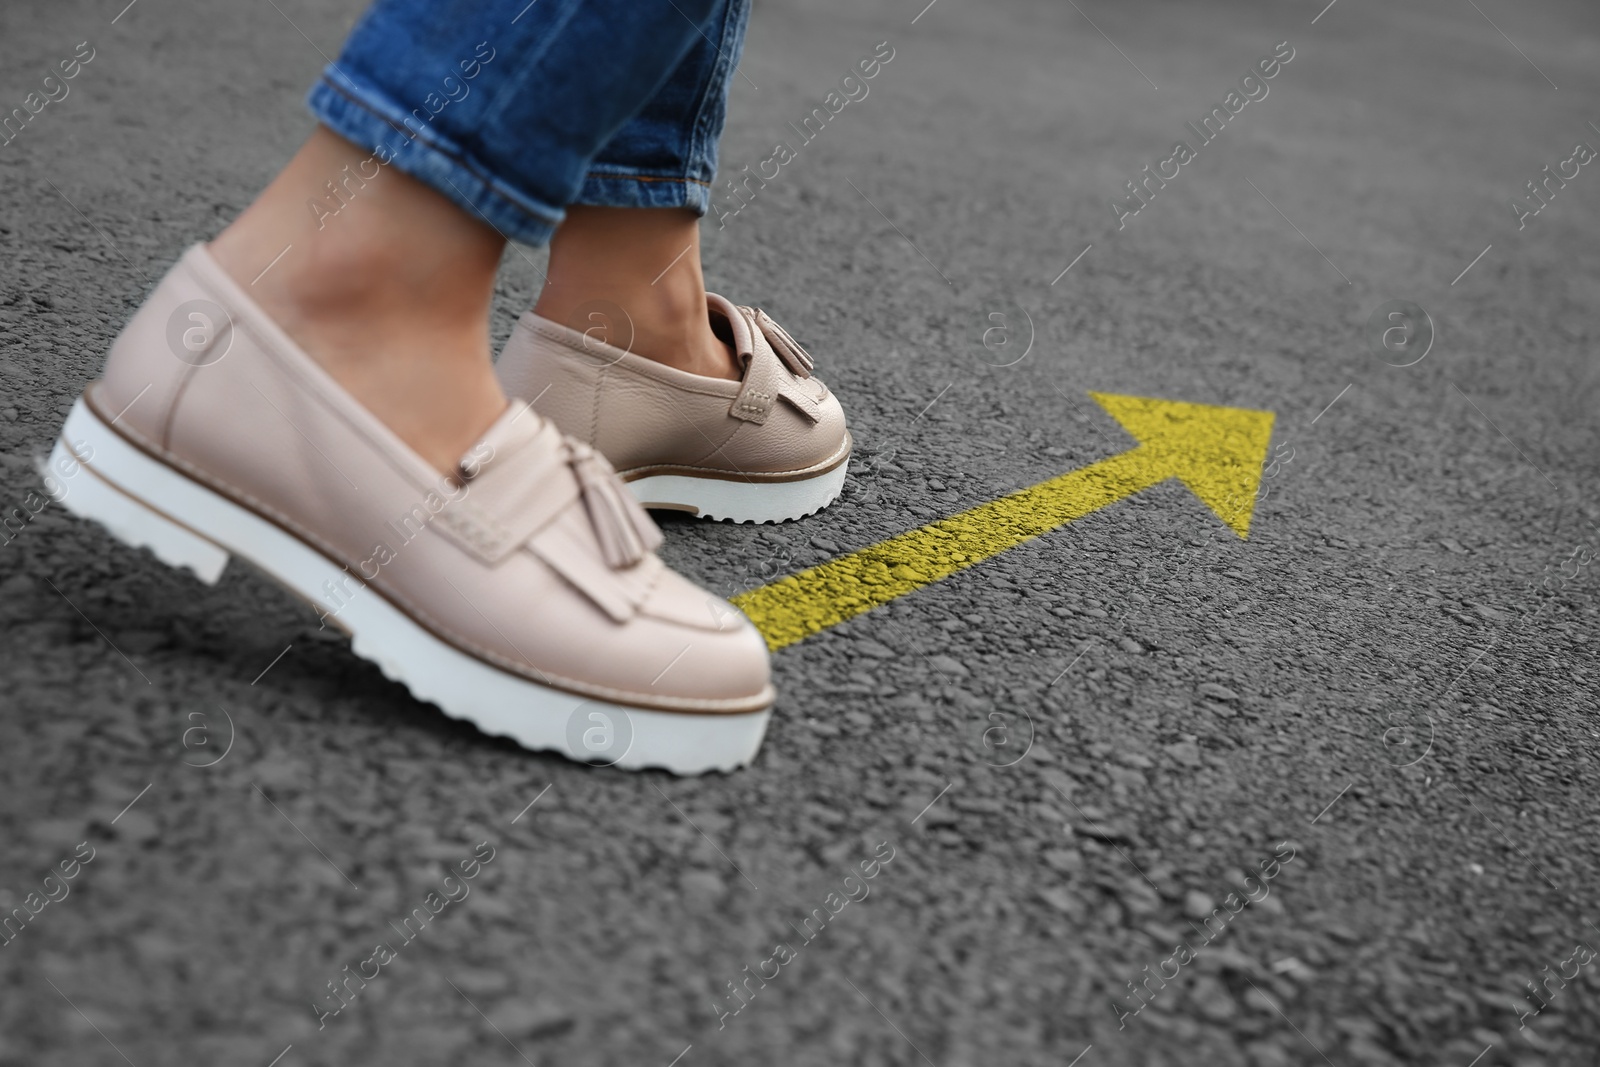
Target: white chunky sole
<point x="738" y="500"/>
<point x="146" y="503"/>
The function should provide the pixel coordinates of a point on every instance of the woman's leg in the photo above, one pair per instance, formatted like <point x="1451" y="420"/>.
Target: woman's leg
<point x="313" y="394"/>
<point x="647" y="262"/>
<point x="632" y="236"/>
<point x="391" y="297"/>
<point x="482" y="121"/>
<point x="747" y="433"/>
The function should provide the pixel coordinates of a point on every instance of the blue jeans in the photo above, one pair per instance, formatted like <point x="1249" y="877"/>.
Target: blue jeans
<point x="514" y="109"/>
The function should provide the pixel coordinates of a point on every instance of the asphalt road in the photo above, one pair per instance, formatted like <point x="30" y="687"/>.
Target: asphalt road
<point x="1384" y="699"/>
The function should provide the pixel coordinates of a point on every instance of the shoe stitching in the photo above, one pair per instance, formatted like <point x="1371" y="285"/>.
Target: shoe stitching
<point x="754" y="402"/>
<point x="595" y="175"/>
<point x="721" y="74"/>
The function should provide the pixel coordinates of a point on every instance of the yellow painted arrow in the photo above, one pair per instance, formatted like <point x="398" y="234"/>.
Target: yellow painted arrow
<point x="1217" y="452"/>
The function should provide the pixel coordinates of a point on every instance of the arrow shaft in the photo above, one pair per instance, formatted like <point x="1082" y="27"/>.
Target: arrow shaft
<point x="793" y="608"/>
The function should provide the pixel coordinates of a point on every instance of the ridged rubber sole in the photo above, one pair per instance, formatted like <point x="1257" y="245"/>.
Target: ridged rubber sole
<point x="740" y="500"/>
<point x="145" y="503"/>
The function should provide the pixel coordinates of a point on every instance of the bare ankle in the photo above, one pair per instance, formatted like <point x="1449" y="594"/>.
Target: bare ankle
<point x="391" y="298"/>
<point x="660" y="326"/>
<point x="641" y="266"/>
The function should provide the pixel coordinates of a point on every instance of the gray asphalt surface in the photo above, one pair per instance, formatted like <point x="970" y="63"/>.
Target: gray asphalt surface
<point x="1075" y="752"/>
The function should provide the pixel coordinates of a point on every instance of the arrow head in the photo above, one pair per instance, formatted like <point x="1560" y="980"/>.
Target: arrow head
<point x="1217" y="452"/>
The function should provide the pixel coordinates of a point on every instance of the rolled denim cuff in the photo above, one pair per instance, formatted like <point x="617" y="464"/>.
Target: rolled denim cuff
<point x="620" y="187"/>
<point x="368" y="118"/>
